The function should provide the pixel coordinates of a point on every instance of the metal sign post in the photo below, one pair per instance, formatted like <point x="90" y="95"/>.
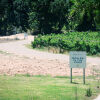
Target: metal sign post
<point x="71" y="75"/>
<point x="77" y="60"/>
<point x="84" y="75"/>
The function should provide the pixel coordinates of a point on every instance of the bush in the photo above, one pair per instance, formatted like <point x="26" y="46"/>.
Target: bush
<point x="71" y="41"/>
<point x="89" y="92"/>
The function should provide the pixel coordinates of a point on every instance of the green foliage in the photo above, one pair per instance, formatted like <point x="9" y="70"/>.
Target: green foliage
<point x="13" y="13"/>
<point x="89" y="92"/>
<point x="84" y="15"/>
<point x="78" y="41"/>
<point x="49" y="16"/>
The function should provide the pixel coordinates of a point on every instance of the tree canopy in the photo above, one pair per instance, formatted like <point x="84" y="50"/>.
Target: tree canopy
<point x="47" y="16"/>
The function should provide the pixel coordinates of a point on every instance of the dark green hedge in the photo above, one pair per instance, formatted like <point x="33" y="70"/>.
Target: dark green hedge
<point x="71" y="41"/>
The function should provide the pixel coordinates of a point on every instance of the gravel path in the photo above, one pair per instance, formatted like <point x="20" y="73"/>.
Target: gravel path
<point x="23" y="60"/>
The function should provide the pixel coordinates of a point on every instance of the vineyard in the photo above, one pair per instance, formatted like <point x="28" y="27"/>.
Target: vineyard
<point x="71" y="41"/>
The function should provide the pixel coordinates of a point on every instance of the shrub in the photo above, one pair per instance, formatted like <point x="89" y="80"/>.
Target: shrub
<point x="71" y="41"/>
<point x="89" y="92"/>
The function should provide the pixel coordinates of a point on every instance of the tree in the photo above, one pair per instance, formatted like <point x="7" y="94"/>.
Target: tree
<point x="84" y="14"/>
<point x="48" y="15"/>
<point x="3" y="6"/>
<point x="14" y="13"/>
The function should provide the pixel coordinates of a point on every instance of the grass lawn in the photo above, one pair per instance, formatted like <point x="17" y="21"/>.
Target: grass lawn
<point x="26" y="87"/>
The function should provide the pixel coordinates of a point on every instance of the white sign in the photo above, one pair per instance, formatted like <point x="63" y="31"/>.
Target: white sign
<point x="77" y="59"/>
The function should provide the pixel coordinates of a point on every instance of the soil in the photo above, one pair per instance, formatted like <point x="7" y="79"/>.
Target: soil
<point x="16" y="58"/>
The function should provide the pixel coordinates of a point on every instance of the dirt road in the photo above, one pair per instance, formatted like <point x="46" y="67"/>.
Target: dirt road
<point x="18" y="59"/>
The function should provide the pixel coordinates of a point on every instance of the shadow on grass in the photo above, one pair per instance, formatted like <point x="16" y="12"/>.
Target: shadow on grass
<point x="75" y="83"/>
<point x="61" y="77"/>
